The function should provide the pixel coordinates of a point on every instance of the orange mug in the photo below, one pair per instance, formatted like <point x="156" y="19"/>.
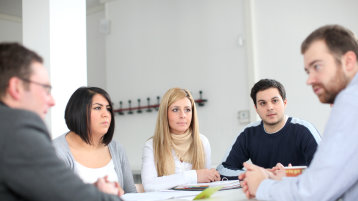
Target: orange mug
<point x="294" y="171"/>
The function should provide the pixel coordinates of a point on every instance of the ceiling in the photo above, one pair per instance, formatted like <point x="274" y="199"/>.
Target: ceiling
<point x="14" y="7"/>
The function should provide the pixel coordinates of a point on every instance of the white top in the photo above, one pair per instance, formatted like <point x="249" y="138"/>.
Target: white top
<point x="183" y="170"/>
<point x="90" y="175"/>
<point x="118" y="154"/>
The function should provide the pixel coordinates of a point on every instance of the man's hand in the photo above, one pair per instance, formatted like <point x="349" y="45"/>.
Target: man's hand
<point x="104" y="185"/>
<point x="245" y="187"/>
<point x="207" y="175"/>
<point x="252" y="178"/>
<point x="277" y="172"/>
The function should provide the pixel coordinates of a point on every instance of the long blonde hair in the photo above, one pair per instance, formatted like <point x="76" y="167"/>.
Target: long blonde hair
<point x="162" y="141"/>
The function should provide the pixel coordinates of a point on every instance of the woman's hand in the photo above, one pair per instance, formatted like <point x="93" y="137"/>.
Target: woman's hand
<point x="207" y="175"/>
<point x="104" y="185"/>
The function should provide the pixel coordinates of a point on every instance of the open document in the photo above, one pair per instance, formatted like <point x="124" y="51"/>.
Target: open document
<point x="229" y="184"/>
<point x="183" y="192"/>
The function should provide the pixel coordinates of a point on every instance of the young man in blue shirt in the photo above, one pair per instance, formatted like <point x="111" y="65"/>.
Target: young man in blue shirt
<point x="277" y="138"/>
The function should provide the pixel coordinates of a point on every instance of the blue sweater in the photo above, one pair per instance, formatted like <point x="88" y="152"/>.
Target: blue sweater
<point x="295" y="143"/>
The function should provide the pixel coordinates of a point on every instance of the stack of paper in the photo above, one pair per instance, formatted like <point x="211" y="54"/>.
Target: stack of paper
<point x="230" y="184"/>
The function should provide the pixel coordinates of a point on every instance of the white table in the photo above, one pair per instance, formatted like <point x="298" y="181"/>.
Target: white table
<point x="224" y="195"/>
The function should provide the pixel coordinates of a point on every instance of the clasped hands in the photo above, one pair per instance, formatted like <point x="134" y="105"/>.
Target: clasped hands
<point x="106" y="186"/>
<point x="254" y="175"/>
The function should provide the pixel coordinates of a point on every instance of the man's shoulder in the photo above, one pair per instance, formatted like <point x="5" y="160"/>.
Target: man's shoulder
<point x="14" y="117"/>
<point x="297" y="122"/>
<point x="253" y="126"/>
<point x="250" y="130"/>
<point x="21" y="124"/>
<point x="301" y="125"/>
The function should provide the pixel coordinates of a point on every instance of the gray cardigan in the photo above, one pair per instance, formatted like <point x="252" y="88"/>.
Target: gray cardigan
<point x="120" y="161"/>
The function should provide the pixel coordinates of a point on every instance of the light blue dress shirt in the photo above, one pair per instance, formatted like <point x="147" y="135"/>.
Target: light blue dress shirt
<point x="333" y="172"/>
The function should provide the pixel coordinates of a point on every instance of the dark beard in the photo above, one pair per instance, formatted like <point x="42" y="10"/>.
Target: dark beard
<point x="337" y="84"/>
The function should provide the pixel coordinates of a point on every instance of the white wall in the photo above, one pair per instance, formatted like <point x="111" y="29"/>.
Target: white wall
<point x="57" y="31"/>
<point x="96" y="51"/>
<point x="11" y="29"/>
<point x="155" y="45"/>
<point x="34" y="30"/>
<point x="280" y="27"/>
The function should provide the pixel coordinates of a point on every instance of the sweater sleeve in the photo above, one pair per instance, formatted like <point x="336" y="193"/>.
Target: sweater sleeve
<point x="63" y="151"/>
<point x="231" y="167"/>
<point x="310" y="138"/>
<point x="128" y="182"/>
<point x="150" y="179"/>
<point x="309" y="146"/>
<point x="207" y="150"/>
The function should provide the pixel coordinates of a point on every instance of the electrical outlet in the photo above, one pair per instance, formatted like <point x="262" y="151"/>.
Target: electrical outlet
<point x="244" y="116"/>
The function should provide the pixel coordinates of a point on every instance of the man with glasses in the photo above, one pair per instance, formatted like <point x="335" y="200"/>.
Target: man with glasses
<point x="29" y="167"/>
<point x="47" y="87"/>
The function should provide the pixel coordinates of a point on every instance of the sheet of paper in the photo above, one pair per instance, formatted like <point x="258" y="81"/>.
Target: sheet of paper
<point x="161" y="195"/>
<point x="230" y="184"/>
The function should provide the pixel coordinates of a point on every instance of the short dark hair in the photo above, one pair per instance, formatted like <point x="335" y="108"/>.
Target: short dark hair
<point x="78" y="113"/>
<point x="338" y="39"/>
<point x="266" y="84"/>
<point x="15" y="61"/>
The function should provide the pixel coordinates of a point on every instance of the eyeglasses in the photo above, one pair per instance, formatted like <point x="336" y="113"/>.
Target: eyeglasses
<point x="47" y="87"/>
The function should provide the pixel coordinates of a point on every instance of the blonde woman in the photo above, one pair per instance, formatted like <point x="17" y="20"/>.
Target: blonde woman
<point x="177" y="153"/>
